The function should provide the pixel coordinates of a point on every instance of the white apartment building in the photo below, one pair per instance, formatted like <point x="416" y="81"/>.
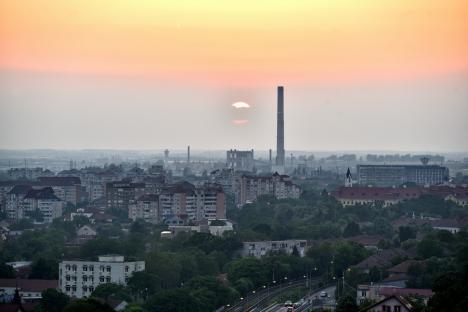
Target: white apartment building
<point x="79" y="279"/>
<point x="261" y="248"/>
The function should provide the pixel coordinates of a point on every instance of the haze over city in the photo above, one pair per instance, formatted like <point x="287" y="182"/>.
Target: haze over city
<point x="387" y="75"/>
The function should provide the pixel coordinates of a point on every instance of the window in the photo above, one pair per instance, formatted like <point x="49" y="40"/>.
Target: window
<point x="74" y="267"/>
<point x="85" y="268"/>
<point x="85" y="278"/>
<point x="85" y="288"/>
<point x="396" y="309"/>
<point x="101" y="279"/>
<point x="67" y="288"/>
<point x="108" y="279"/>
<point x="73" y="287"/>
<point x="67" y="277"/>
<point x="91" y="288"/>
<point x="74" y="278"/>
<point x="91" y="268"/>
<point x="67" y="267"/>
<point x="126" y="268"/>
<point x="126" y="280"/>
<point x="91" y="278"/>
<point x="101" y="268"/>
<point x="108" y="268"/>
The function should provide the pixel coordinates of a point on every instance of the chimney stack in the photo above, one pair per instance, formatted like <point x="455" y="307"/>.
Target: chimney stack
<point x="280" y="153"/>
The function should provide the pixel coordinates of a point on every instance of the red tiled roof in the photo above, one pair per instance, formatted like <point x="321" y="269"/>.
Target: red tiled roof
<point x="390" y="291"/>
<point x="404" y="266"/>
<point x="35" y="285"/>
<point x="377" y="193"/>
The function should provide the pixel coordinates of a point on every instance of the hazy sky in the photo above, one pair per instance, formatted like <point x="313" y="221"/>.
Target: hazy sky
<point x="379" y="75"/>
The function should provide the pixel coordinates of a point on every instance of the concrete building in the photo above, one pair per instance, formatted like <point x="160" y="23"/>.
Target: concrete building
<point x="119" y="195"/>
<point x="350" y="196"/>
<point x="279" y="186"/>
<point x="44" y="201"/>
<point x="261" y="248"/>
<point x="30" y="290"/>
<point x="240" y="160"/>
<point x="195" y="203"/>
<point x="145" y="208"/>
<point x="377" y="292"/>
<point x="79" y="279"/>
<point x="67" y="189"/>
<point x="390" y="304"/>
<point x="14" y="202"/>
<point x="396" y="175"/>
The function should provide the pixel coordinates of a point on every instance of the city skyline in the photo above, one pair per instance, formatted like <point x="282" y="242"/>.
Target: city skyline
<point x="390" y="75"/>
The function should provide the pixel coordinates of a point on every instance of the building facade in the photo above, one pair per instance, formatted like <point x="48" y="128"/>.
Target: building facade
<point x="261" y="248"/>
<point x="396" y="175"/>
<point x="119" y="195"/>
<point x="196" y="203"/>
<point x="145" y="208"/>
<point x="240" y="160"/>
<point x="78" y="279"/>
<point x="279" y="186"/>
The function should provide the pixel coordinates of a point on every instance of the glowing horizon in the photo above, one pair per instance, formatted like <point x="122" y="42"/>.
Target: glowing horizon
<point x="250" y="42"/>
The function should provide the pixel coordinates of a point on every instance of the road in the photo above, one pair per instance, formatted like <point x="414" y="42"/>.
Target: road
<point x="312" y="302"/>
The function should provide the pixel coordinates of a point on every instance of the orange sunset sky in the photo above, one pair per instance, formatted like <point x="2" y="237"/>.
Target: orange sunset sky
<point x="335" y="57"/>
<point x="227" y="40"/>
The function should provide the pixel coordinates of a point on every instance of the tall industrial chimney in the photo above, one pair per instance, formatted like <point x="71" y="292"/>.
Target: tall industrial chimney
<point x="280" y="129"/>
<point x="188" y="155"/>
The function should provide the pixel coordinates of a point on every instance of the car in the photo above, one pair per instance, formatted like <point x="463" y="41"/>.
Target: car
<point x="288" y="303"/>
<point x="290" y="309"/>
<point x="299" y="303"/>
<point x="323" y="294"/>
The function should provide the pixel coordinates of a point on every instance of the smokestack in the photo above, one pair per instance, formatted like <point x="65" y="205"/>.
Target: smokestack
<point x="188" y="154"/>
<point x="280" y="153"/>
<point x="270" y="158"/>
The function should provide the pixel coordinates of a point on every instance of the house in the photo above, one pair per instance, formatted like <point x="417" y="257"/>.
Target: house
<point x="369" y="242"/>
<point x="86" y="232"/>
<point x="350" y="196"/>
<point x="377" y="292"/>
<point x="30" y="290"/>
<point x="381" y="259"/>
<point x="390" y="304"/>
<point x="403" y="267"/>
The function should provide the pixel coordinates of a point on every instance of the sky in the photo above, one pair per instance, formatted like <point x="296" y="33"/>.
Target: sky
<point x="135" y="74"/>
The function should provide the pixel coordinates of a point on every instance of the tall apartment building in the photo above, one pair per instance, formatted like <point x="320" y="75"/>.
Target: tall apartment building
<point x="24" y="200"/>
<point x="67" y="189"/>
<point x="395" y="175"/>
<point x="280" y="186"/>
<point x="240" y="160"/>
<point x="119" y="195"/>
<point x="197" y="203"/>
<point x="79" y="279"/>
<point x="145" y="208"/>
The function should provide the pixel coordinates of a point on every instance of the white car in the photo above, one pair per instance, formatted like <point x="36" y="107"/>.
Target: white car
<point x="323" y="294"/>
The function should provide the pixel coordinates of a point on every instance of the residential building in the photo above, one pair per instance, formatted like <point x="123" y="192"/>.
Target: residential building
<point x="279" y="186"/>
<point x="14" y="202"/>
<point x="78" y="279"/>
<point x="240" y="160"/>
<point x="86" y="232"/>
<point x="119" y="195"/>
<point x="30" y="290"/>
<point x="197" y="203"/>
<point x="390" y="304"/>
<point x="395" y="175"/>
<point x="44" y="201"/>
<point x="145" y="208"/>
<point x="378" y="292"/>
<point x="261" y="248"/>
<point x="28" y="173"/>
<point x="67" y="189"/>
<point x="350" y="196"/>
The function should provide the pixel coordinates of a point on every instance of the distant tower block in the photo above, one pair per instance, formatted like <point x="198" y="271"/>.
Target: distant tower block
<point x="166" y="155"/>
<point x="280" y="153"/>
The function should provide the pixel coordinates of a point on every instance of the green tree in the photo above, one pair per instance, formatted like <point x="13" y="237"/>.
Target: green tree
<point x="111" y="290"/>
<point x="53" y="300"/>
<point x="173" y="300"/>
<point x="143" y="284"/>
<point x="88" y="305"/>
<point x="347" y="304"/>
<point x="6" y="271"/>
<point x="406" y="232"/>
<point x="44" y="269"/>
<point x="351" y="229"/>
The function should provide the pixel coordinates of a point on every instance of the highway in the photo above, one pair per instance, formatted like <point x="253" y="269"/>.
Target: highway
<point x="312" y="302"/>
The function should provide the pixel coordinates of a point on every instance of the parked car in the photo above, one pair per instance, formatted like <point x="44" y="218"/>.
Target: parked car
<point x="288" y="303"/>
<point x="323" y="294"/>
